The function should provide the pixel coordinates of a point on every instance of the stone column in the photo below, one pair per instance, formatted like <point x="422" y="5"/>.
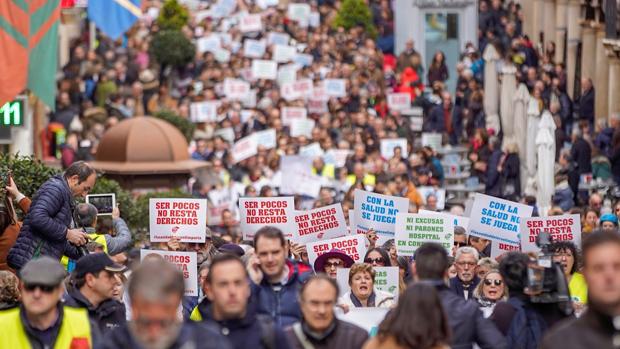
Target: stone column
<point x="613" y="54"/>
<point x="539" y="15"/>
<point x="528" y="17"/>
<point x="588" y="40"/>
<point x="601" y="80"/>
<point x="561" y="12"/>
<point x="549" y="20"/>
<point x="573" y="38"/>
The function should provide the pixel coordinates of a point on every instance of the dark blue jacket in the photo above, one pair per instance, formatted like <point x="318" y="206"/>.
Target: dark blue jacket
<point x="283" y="305"/>
<point x="45" y="225"/>
<point x="108" y="315"/>
<point x="252" y="331"/>
<point x="436" y="122"/>
<point x="456" y="285"/>
<point x="493" y="185"/>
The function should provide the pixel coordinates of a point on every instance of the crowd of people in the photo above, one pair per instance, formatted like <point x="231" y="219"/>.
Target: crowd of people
<point x="64" y="284"/>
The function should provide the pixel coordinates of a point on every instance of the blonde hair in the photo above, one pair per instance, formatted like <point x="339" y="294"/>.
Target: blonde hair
<point x="478" y="290"/>
<point x="9" y="291"/>
<point x="361" y="268"/>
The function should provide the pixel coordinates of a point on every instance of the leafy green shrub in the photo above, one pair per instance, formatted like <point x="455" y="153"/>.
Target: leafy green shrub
<point x="28" y="173"/>
<point x="186" y="127"/>
<point x="172" y="48"/>
<point x="173" y="16"/>
<point x="354" y="13"/>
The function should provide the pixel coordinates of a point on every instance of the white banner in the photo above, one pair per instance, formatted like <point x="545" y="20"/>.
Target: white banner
<point x="266" y="138"/>
<point x="290" y="114"/>
<point x="378" y="212"/>
<point x="304" y="60"/>
<point x="388" y="146"/>
<point x="204" y="111"/>
<point x="320" y="224"/>
<point x="254" y="48"/>
<point x="386" y="279"/>
<point x="244" y="148"/>
<point x="335" y="87"/>
<point x="313" y="150"/>
<point x="302" y="127"/>
<point x="283" y="53"/>
<point x="497" y="219"/>
<point x="432" y="140"/>
<point x="353" y="246"/>
<point x="299" y="13"/>
<point x="250" y="23"/>
<point x="499" y="248"/>
<point x="399" y="101"/>
<point x="561" y="228"/>
<point x="275" y="38"/>
<point x="185" y="219"/>
<point x="459" y="221"/>
<point x="287" y="74"/>
<point x="263" y="69"/>
<point x="260" y="212"/>
<point x="414" y="230"/>
<point x="186" y="262"/>
<point x="317" y="106"/>
<point x="235" y="89"/>
<point x="208" y="44"/>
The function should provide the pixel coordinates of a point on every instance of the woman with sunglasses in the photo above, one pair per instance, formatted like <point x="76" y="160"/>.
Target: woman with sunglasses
<point x="363" y="293"/>
<point x="330" y="262"/>
<point x="377" y="257"/>
<point x="489" y="291"/>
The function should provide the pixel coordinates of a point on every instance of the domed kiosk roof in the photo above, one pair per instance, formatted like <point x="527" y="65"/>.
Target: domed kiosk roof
<point x="144" y="145"/>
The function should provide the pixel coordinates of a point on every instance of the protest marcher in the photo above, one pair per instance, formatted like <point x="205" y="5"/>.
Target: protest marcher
<point x="228" y="289"/>
<point x="330" y="262"/>
<point x="363" y="292"/>
<point x="86" y="218"/>
<point x="377" y="257"/>
<point x="609" y="222"/>
<point x="489" y="291"/>
<point x="9" y="225"/>
<point x="319" y="328"/>
<point x="390" y="247"/>
<point x="595" y="328"/>
<point x="275" y="279"/>
<point x="156" y="289"/>
<point x="42" y="321"/>
<point x="466" y="280"/>
<point x="9" y="290"/>
<point x="485" y="265"/>
<point x="418" y="321"/>
<point x="467" y="324"/>
<point x="522" y="322"/>
<point x="92" y="287"/>
<point x="566" y="253"/>
<point x="47" y="227"/>
<point x="482" y="245"/>
<point x="404" y="273"/>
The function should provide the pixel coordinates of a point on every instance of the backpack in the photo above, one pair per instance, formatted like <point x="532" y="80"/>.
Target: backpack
<point x="526" y="328"/>
<point x="267" y="331"/>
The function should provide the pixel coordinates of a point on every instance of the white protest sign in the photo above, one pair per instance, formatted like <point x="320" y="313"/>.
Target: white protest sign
<point x="208" y="44"/>
<point x="287" y="74"/>
<point x="288" y="92"/>
<point x="313" y="150"/>
<point x="266" y="138"/>
<point x="299" y="178"/>
<point x="378" y="212"/>
<point x="432" y="140"/>
<point x="302" y="127"/>
<point x="244" y="148"/>
<point x="204" y="111"/>
<point x="266" y="3"/>
<point x="353" y="246"/>
<point x="318" y="93"/>
<point x="386" y="279"/>
<point x="250" y="99"/>
<point x="414" y="230"/>
<point x="497" y="219"/>
<point x="320" y="224"/>
<point x="290" y="114"/>
<point x="215" y="213"/>
<point x="186" y="262"/>
<point x="499" y="248"/>
<point x="303" y="59"/>
<point x="388" y="146"/>
<point x="366" y="318"/>
<point x="317" y="106"/>
<point x="304" y="87"/>
<point x="263" y="69"/>
<point x="399" y="101"/>
<point x="250" y="23"/>
<point x="315" y="19"/>
<point x="459" y="221"/>
<point x="275" y="38"/>
<point x="185" y="219"/>
<point x="283" y="53"/>
<point x="236" y="89"/>
<point x="222" y="56"/>
<point x="254" y="48"/>
<point x="335" y="87"/>
<point x="259" y="212"/>
<point x="299" y="13"/>
<point x="227" y="133"/>
<point x="440" y="195"/>
<point x="337" y="157"/>
<point x="561" y="228"/>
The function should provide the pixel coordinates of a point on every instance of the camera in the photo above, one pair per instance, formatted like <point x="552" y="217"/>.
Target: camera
<point x="546" y="282"/>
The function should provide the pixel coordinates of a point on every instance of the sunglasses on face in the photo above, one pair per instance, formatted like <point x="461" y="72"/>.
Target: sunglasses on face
<point x="489" y="282"/>
<point x="333" y="265"/>
<point x="460" y="244"/>
<point x="374" y="260"/>
<point x="43" y="288"/>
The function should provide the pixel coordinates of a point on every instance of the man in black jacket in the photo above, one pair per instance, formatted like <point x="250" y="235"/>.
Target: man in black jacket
<point x="92" y="287"/>
<point x="581" y="159"/>
<point x="466" y="280"/>
<point x="228" y="289"/>
<point x="597" y="328"/>
<point x="319" y="327"/>
<point x="468" y="325"/>
<point x="585" y="104"/>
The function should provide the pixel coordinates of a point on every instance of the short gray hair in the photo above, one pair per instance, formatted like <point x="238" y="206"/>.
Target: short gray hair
<point x="466" y="250"/>
<point x="155" y="280"/>
<point x="86" y="214"/>
<point x="488" y="262"/>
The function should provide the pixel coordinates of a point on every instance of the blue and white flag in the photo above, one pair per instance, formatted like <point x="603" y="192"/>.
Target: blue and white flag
<point x="114" y="17"/>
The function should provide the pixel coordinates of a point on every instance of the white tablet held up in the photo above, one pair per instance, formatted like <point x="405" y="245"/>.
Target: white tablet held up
<point x="104" y="203"/>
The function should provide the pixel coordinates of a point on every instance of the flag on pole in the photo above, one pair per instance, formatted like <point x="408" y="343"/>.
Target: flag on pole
<point x="29" y="48"/>
<point x="114" y="17"/>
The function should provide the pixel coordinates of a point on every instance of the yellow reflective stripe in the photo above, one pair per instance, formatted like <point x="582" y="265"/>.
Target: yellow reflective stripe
<point x="195" y="315"/>
<point x="129" y="6"/>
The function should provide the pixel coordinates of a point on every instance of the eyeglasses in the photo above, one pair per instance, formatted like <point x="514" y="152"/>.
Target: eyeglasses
<point x="374" y="260"/>
<point x="490" y="282"/>
<point x="466" y="264"/>
<point x="333" y="265"/>
<point x="43" y="288"/>
<point x="460" y="244"/>
<point x="142" y="321"/>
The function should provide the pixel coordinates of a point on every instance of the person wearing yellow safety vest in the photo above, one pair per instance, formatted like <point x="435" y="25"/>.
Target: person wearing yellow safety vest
<point x="319" y="167"/>
<point x="42" y="321"/>
<point x="368" y="180"/>
<point x="86" y="217"/>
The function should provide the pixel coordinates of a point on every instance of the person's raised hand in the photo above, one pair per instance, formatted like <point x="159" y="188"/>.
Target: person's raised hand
<point x="371" y="236"/>
<point x="174" y="244"/>
<point x="77" y="237"/>
<point x="254" y="271"/>
<point x="12" y="189"/>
